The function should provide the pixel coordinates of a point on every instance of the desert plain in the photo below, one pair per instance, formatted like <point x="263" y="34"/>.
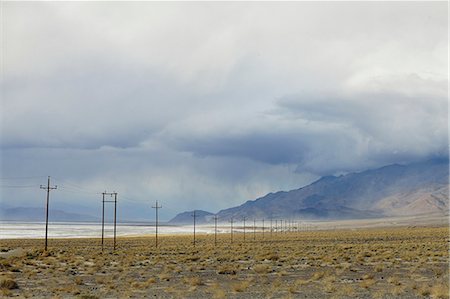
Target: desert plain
<point x="405" y="261"/>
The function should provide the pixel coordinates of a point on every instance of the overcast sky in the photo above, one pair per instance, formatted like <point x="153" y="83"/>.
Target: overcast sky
<point x="206" y="105"/>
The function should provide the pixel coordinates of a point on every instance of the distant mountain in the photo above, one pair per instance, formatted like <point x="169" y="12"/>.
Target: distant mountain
<point x="414" y="189"/>
<point x="38" y="214"/>
<point x="201" y="217"/>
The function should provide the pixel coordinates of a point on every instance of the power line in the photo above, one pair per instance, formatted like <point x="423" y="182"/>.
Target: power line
<point x="18" y="186"/>
<point x="64" y="189"/>
<point x="69" y="184"/>
<point x="22" y="178"/>
<point x="131" y="200"/>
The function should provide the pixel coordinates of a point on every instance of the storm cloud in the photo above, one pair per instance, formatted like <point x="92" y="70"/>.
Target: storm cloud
<point x="208" y="104"/>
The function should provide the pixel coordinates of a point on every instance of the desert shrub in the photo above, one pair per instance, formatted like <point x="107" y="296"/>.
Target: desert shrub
<point x="423" y="290"/>
<point x="367" y="283"/>
<point x="194" y="281"/>
<point x="318" y="275"/>
<point x="227" y="269"/>
<point x="8" y="284"/>
<point x="394" y="280"/>
<point x="378" y="268"/>
<point x="261" y="269"/>
<point x="78" y="280"/>
<point x="240" y="286"/>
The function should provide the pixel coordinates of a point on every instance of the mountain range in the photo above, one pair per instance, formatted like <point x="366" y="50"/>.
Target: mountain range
<point x="393" y="190"/>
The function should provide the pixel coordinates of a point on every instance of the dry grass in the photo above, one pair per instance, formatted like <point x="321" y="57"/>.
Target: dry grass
<point x="378" y="263"/>
<point x="440" y="290"/>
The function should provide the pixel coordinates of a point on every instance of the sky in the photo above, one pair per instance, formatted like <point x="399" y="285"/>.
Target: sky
<point x="205" y="105"/>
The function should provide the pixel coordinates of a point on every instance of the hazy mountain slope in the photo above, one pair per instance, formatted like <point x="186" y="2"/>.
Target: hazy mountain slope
<point x="187" y="217"/>
<point x="422" y="201"/>
<point x="390" y="190"/>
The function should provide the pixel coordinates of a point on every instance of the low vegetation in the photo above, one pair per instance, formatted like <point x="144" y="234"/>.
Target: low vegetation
<point x="409" y="262"/>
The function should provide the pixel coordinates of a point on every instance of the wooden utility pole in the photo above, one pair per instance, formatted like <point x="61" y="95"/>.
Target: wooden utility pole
<point x="115" y="219"/>
<point x="215" y="230"/>
<point x="48" y="188"/>
<point x="263" y="228"/>
<point x="195" y="216"/>
<point x="276" y="226"/>
<point x="271" y="227"/>
<point x="231" y="221"/>
<point x="244" y="218"/>
<point x="156" y="207"/>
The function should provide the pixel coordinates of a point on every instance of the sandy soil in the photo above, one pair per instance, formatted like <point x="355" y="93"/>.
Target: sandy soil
<point x="396" y="262"/>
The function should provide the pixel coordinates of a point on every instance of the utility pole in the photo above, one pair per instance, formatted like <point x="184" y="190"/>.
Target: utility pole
<point x="244" y="218"/>
<point x="115" y="218"/>
<point x="254" y="229"/>
<point x="271" y="227"/>
<point x="103" y="215"/>
<point x="276" y="226"/>
<point x="195" y="216"/>
<point x="263" y="228"/>
<point x="215" y="230"/>
<point x="231" y="221"/>
<point x="48" y="188"/>
<point x="156" y="207"/>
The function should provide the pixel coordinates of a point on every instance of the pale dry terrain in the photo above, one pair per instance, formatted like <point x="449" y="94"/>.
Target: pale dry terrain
<point x="408" y="262"/>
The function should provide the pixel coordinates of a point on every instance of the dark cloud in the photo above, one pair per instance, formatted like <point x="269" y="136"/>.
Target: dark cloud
<point x="323" y="134"/>
<point x="207" y="105"/>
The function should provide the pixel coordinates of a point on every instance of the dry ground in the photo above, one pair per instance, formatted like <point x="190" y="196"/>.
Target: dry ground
<point x="368" y="263"/>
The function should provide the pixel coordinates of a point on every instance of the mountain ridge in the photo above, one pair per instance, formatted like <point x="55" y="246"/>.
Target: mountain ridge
<point x="390" y="190"/>
<point x="356" y="195"/>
